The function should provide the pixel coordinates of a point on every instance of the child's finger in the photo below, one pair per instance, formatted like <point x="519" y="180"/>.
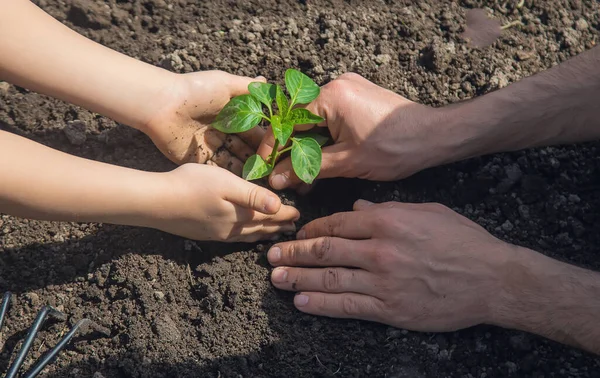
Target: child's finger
<point x="224" y="159"/>
<point x="206" y="143"/>
<point x="285" y="214"/>
<point x="238" y="147"/>
<point x="251" y="196"/>
<point x="238" y="85"/>
<point x="267" y="228"/>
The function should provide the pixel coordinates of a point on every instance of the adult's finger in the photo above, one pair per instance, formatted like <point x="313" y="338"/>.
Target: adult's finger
<point x="433" y="207"/>
<point x="332" y="165"/>
<point x="345" y="305"/>
<point x="320" y="106"/>
<point x="348" y="225"/>
<point x="322" y="251"/>
<point x="324" y="280"/>
<point x="362" y="204"/>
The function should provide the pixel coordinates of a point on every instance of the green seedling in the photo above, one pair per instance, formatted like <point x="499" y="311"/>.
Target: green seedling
<point x="245" y="112"/>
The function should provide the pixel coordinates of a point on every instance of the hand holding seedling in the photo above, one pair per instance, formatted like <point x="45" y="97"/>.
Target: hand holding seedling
<point x="180" y="125"/>
<point x="244" y="113"/>
<point x="173" y="109"/>
<point x="377" y="134"/>
<point x="196" y="201"/>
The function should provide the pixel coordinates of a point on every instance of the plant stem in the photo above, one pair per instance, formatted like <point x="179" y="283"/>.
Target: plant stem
<point x="284" y="150"/>
<point x="273" y="156"/>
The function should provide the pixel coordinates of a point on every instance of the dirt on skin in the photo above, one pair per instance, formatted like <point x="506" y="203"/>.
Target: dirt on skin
<point x="174" y="308"/>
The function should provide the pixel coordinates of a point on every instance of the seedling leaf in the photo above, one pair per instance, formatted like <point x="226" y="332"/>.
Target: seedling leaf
<point x="301" y="88"/>
<point x="263" y="92"/>
<point x="282" y="101"/>
<point x="303" y="117"/>
<point x="321" y="139"/>
<point x="282" y="129"/>
<point x="255" y="168"/>
<point x="306" y="158"/>
<point x="240" y="114"/>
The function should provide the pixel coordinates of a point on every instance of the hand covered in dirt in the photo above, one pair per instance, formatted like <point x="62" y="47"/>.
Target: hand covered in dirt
<point x="209" y="203"/>
<point x="377" y="134"/>
<point x="416" y="266"/>
<point x="180" y="128"/>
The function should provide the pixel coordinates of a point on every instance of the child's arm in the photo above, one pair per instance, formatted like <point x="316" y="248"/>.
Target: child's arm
<point x="39" y="53"/>
<point x="43" y="183"/>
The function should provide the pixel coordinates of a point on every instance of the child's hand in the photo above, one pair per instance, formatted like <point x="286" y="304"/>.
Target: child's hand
<point x="180" y="127"/>
<point x="209" y="203"/>
<point x="196" y="201"/>
<point x="173" y="109"/>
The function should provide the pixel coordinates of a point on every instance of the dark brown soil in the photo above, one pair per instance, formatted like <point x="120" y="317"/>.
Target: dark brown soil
<point x="177" y="308"/>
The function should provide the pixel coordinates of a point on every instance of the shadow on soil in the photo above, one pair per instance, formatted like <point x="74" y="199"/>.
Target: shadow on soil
<point x="295" y="344"/>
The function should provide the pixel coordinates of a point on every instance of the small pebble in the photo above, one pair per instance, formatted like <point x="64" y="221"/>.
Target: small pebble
<point x="32" y="298"/>
<point x="581" y="25"/>
<point x="4" y="87"/>
<point x="507" y="226"/>
<point x="75" y="132"/>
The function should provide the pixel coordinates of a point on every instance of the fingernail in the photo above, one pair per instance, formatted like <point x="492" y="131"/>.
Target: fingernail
<point x="274" y="255"/>
<point x="300" y="300"/>
<point x="271" y="204"/>
<point x="280" y="181"/>
<point x="301" y="235"/>
<point x="279" y="275"/>
<point x="260" y="78"/>
<point x="362" y="202"/>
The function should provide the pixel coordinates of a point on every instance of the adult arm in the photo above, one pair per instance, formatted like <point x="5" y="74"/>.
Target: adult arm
<point x="557" y="106"/>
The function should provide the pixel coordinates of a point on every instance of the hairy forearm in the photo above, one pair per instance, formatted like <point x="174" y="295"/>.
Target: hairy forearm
<point x="557" y="106"/>
<point x="47" y="184"/>
<point x="39" y="53"/>
<point x="552" y="299"/>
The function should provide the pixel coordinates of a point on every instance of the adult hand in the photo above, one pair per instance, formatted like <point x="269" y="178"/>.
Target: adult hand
<point x="415" y="266"/>
<point x="209" y="203"/>
<point x="377" y="134"/>
<point x="180" y="127"/>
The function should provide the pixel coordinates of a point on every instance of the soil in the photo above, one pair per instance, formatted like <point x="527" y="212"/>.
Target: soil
<point x="171" y="307"/>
